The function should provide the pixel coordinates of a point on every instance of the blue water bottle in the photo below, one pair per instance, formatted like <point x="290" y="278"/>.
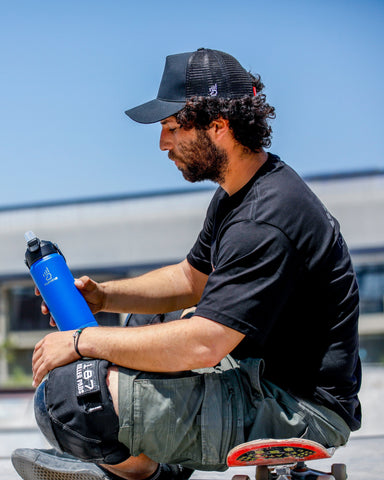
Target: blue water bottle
<point x="55" y="282"/>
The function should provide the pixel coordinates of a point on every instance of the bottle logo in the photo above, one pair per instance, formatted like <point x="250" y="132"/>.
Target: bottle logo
<point x="48" y="277"/>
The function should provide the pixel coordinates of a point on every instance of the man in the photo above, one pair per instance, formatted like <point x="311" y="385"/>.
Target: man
<point x="271" y="350"/>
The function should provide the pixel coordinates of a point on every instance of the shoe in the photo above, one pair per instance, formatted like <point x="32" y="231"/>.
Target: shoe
<point x="40" y="464"/>
<point x="36" y="464"/>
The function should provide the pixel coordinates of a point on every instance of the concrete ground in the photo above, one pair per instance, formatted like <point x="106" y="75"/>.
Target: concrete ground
<point x="364" y="454"/>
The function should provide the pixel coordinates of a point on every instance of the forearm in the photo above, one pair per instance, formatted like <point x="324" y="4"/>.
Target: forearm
<point x="184" y="344"/>
<point x="180" y="345"/>
<point x="162" y="290"/>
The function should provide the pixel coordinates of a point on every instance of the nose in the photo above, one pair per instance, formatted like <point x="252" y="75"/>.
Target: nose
<point x="165" y="140"/>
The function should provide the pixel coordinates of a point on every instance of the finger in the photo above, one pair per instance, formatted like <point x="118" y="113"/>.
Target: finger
<point x="36" y="362"/>
<point x="37" y="292"/>
<point x="37" y="352"/>
<point x="39" y="365"/>
<point x="39" y="374"/>
<point x="52" y="322"/>
<point x="38" y="345"/>
<point x="36" y="365"/>
<point x="79" y="283"/>
<point x="44" y="308"/>
<point x="84" y="283"/>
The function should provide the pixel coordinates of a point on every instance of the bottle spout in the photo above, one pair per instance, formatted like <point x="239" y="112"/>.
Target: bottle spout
<point x="29" y="236"/>
<point x="32" y="241"/>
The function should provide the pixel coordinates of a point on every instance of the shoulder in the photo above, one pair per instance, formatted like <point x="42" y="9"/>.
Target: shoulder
<point x="250" y="241"/>
<point x="283" y="199"/>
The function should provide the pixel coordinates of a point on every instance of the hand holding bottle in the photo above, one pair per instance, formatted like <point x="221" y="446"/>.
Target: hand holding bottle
<point x="56" y="285"/>
<point x="91" y="291"/>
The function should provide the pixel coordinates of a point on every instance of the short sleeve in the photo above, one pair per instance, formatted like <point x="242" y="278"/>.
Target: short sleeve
<point x="254" y="273"/>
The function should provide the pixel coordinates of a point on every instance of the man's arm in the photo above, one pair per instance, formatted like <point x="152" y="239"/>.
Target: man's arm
<point x="183" y="344"/>
<point x="163" y="290"/>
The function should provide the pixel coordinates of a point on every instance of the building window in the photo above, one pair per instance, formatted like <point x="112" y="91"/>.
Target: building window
<point x="24" y="310"/>
<point x="371" y="285"/>
<point x="372" y="348"/>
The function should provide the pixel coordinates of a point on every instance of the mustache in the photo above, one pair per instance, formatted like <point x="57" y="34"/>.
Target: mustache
<point x="173" y="156"/>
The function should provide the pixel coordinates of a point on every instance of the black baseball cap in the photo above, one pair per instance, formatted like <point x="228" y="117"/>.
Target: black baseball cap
<point x="204" y="73"/>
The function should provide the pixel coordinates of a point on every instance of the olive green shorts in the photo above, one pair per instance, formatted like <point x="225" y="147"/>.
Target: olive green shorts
<point x="194" y="418"/>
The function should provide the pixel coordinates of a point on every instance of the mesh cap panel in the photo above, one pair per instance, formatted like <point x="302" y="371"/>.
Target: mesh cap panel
<point x="212" y="73"/>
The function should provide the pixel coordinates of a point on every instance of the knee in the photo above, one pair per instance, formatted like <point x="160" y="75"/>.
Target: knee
<point x="42" y="417"/>
<point x="74" y="410"/>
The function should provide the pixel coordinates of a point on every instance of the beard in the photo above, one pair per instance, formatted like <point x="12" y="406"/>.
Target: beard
<point x="201" y="159"/>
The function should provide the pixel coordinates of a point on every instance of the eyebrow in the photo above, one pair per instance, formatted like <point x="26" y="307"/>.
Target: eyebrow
<point x="167" y="120"/>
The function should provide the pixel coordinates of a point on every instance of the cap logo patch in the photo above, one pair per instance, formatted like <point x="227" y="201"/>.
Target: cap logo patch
<point x="213" y="90"/>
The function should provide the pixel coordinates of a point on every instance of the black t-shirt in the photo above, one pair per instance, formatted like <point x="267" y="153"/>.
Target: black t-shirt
<point x="280" y="273"/>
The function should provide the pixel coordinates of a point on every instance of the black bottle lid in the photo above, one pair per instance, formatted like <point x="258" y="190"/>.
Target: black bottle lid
<point x="37" y="249"/>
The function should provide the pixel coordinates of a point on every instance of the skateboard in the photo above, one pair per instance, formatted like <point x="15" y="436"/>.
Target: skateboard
<point x="283" y="460"/>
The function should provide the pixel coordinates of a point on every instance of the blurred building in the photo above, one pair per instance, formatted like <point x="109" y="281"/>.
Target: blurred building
<point x="124" y="236"/>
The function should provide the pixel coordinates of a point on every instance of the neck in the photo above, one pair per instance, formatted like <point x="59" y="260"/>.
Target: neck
<point x="241" y="168"/>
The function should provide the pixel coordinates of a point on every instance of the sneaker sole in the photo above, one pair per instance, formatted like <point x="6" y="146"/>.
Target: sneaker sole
<point x="35" y="465"/>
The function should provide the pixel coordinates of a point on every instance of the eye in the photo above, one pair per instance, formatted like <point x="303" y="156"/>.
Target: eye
<point x="173" y="129"/>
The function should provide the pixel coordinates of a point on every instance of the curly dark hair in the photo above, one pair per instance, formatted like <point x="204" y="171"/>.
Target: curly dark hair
<point x="248" y="116"/>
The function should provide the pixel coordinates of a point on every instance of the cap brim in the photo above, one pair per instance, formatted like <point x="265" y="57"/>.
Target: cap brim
<point x="154" y="111"/>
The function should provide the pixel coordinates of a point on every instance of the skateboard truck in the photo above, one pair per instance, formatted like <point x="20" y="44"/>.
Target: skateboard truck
<point x="283" y="460"/>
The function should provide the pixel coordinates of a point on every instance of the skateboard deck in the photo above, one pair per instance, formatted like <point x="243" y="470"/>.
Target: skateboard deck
<point x="275" y="452"/>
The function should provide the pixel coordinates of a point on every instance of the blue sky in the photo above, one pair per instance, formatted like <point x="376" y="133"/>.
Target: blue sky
<point x="70" y="68"/>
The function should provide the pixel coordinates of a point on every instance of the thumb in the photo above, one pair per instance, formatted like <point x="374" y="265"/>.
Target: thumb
<point x="79" y="283"/>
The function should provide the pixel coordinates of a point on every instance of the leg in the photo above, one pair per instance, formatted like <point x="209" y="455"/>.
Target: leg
<point x="85" y="396"/>
<point x="165" y="417"/>
<point x="134" y="468"/>
<point x="140" y="467"/>
<point x="74" y="410"/>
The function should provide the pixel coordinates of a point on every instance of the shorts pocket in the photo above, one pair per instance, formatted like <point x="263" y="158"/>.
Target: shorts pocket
<point x="216" y="421"/>
<point x="166" y="416"/>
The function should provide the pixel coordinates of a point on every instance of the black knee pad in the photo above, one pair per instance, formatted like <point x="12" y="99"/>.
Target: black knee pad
<point x="74" y="410"/>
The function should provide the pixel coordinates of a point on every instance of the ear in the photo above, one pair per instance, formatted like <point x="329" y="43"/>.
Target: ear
<point x="219" y="128"/>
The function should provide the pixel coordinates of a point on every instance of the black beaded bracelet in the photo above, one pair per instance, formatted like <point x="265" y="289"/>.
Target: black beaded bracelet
<point x="76" y="336"/>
